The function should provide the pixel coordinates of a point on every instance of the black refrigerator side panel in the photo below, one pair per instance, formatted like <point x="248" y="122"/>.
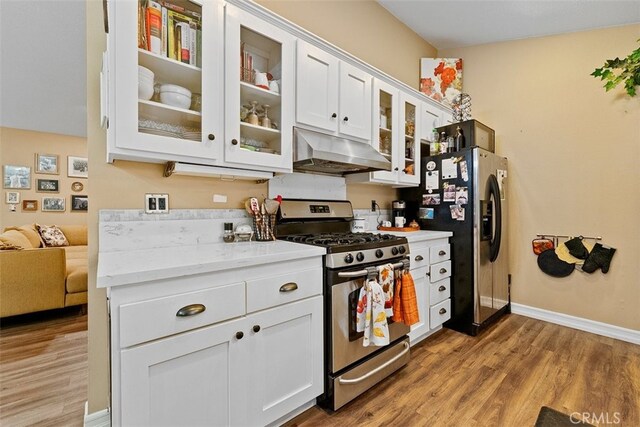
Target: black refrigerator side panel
<point x="462" y="246"/>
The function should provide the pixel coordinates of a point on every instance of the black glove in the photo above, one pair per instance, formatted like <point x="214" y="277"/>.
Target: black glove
<point x="600" y="257"/>
<point x="576" y="248"/>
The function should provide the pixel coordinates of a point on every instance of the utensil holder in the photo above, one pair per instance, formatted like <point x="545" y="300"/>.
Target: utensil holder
<point x="263" y="227"/>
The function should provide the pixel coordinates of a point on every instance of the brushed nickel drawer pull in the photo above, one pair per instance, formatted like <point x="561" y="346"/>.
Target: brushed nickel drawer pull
<point x="191" y="310"/>
<point x="289" y="287"/>
<point x="442" y="311"/>
<point x="443" y="270"/>
<point x="442" y="253"/>
<point x="442" y="289"/>
<point x="419" y="258"/>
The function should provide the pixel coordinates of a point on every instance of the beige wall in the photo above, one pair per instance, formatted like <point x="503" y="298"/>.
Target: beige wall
<point x="366" y="30"/>
<point x="573" y="154"/>
<point x="18" y="147"/>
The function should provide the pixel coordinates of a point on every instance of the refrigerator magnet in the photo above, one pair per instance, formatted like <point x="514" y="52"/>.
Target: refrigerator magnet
<point x="431" y="179"/>
<point x="457" y="212"/>
<point x="431" y="199"/>
<point x="449" y="168"/>
<point x="426" y="213"/>
<point x="462" y="195"/>
<point x="449" y="193"/>
<point x="464" y="171"/>
<point x="431" y="165"/>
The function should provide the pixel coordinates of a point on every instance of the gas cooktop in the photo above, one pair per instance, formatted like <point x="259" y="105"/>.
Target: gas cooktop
<point x="332" y="240"/>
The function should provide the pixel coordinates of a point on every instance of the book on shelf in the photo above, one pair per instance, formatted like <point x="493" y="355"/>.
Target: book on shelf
<point x="165" y="33"/>
<point x="192" y="44"/>
<point x="185" y="42"/>
<point x="154" y="27"/>
<point x="174" y="22"/>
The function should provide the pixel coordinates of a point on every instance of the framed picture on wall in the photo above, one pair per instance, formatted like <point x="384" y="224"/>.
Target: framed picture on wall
<point x="77" y="167"/>
<point x="53" y="204"/>
<point x="12" y="197"/>
<point x="79" y="203"/>
<point x="29" y="205"/>
<point x="47" y="163"/>
<point x="17" y="177"/>
<point x="47" y="186"/>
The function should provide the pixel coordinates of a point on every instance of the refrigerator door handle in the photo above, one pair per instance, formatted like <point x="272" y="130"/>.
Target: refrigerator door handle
<point x="494" y="191"/>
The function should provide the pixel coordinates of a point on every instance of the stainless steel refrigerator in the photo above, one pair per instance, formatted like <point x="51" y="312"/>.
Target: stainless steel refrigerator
<point x="465" y="192"/>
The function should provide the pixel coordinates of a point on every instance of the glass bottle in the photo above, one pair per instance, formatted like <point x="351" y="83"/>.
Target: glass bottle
<point x="443" y="142"/>
<point x="434" y="147"/>
<point x="266" y="122"/>
<point x="252" y="118"/>
<point x="228" y="235"/>
<point x="459" y="139"/>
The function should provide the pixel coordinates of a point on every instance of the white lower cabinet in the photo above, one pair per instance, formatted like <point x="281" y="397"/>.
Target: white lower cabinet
<point x="431" y="271"/>
<point x="252" y="367"/>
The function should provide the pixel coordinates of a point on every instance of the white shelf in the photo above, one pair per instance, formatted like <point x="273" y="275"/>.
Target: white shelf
<point x="261" y="134"/>
<point x="168" y="70"/>
<point x="408" y="137"/>
<point x="385" y="130"/>
<point x="388" y="156"/>
<point x="167" y="114"/>
<point x="250" y="92"/>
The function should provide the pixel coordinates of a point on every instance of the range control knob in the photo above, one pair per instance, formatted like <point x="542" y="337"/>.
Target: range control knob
<point x="394" y="251"/>
<point x="348" y="259"/>
<point x="379" y="253"/>
<point x="402" y="249"/>
<point x="360" y="256"/>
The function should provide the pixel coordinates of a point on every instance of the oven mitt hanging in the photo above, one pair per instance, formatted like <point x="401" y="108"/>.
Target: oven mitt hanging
<point x="549" y="263"/>
<point x="576" y="248"/>
<point x="563" y="253"/>
<point x="599" y="257"/>
<point x="541" y="245"/>
<point x="371" y="318"/>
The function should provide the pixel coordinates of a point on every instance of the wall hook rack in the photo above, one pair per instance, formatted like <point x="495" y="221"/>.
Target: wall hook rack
<point x="561" y="236"/>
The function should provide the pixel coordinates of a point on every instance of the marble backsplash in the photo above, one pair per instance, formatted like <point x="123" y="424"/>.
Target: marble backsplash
<point x="133" y="229"/>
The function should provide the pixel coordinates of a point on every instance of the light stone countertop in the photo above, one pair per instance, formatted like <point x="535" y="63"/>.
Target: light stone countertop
<point x="143" y="265"/>
<point x="418" y="236"/>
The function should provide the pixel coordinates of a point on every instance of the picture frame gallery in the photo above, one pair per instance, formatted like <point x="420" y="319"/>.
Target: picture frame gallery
<point x="47" y="186"/>
<point x="47" y="164"/>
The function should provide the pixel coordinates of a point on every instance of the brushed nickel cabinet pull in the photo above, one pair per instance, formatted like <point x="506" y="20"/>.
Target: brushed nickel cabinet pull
<point x="442" y="289"/>
<point x="419" y="258"/>
<point x="442" y="253"/>
<point x="289" y="287"/>
<point x="191" y="310"/>
<point x="443" y="270"/>
<point x="442" y="311"/>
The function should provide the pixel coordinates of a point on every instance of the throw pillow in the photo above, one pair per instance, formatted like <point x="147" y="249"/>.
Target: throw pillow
<point x="52" y="236"/>
<point x="15" y="238"/>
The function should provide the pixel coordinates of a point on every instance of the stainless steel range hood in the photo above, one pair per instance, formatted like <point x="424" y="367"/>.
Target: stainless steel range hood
<point x="321" y="153"/>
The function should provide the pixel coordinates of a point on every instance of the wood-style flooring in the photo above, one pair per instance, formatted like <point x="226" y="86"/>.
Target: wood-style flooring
<point x="501" y="378"/>
<point x="43" y="369"/>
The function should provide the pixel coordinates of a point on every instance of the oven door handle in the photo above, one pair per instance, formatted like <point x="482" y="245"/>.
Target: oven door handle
<point x="376" y="370"/>
<point x="364" y="272"/>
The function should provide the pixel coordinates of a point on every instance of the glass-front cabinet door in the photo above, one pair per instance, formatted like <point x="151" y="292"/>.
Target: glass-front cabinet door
<point x="385" y="129"/>
<point x="259" y="92"/>
<point x="167" y="92"/>
<point x="408" y="159"/>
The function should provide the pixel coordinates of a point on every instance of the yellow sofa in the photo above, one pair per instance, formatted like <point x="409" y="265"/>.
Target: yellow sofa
<point x="38" y="278"/>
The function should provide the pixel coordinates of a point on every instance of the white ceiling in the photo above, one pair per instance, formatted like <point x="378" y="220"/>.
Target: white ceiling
<point x="43" y="45"/>
<point x="456" y="23"/>
<point x="43" y="66"/>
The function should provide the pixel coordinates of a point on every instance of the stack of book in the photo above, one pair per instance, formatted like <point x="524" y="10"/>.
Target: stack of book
<point x="171" y="31"/>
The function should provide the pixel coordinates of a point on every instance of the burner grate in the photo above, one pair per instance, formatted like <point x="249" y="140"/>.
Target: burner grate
<point x="338" y="239"/>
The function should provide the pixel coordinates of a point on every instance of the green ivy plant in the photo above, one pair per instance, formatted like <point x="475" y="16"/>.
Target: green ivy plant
<point x="615" y="71"/>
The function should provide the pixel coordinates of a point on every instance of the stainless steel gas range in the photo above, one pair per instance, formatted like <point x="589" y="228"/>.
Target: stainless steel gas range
<point x="350" y="368"/>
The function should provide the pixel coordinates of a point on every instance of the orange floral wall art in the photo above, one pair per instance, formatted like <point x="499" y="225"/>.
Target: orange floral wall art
<point x="441" y="78"/>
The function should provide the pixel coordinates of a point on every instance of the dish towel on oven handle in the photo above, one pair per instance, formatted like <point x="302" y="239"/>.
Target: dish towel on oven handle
<point x="405" y="303"/>
<point x="370" y="315"/>
<point x="386" y="279"/>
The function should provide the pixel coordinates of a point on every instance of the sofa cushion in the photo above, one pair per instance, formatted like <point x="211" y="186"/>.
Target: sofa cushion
<point x="52" y="236"/>
<point x="75" y="234"/>
<point x="75" y="252"/>
<point x="15" y="238"/>
<point x="30" y="233"/>
<point x="76" y="275"/>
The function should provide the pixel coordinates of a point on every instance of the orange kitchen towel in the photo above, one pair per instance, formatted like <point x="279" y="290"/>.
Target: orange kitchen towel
<point x="409" y="300"/>
<point x="398" y="312"/>
<point x="385" y="279"/>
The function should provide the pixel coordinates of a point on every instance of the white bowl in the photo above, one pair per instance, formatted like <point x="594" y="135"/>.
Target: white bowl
<point x="145" y="90"/>
<point x="142" y="71"/>
<point x="175" y="88"/>
<point x="175" y="99"/>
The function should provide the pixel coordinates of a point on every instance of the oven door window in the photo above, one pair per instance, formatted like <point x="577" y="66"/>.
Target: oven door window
<point x="354" y="335"/>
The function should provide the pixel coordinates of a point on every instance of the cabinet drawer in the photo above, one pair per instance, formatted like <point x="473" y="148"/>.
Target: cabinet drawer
<point x="439" y="291"/>
<point x="156" y="318"/>
<point x="440" y="313"/>
<point x="419" y="257"/>
<point x="439" y="271"/>
<point x="439" y="253"/>
<point x="277" y="290"/>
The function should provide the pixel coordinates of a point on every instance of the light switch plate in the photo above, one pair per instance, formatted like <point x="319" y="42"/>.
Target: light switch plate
<point x="156" y="203"/>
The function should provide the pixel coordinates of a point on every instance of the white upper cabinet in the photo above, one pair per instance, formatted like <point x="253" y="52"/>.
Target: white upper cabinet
<point x="332" y="95"/>
<point x="259" y="92"/>
<point x="317" y="88"/>
<point x="148" y="122"/>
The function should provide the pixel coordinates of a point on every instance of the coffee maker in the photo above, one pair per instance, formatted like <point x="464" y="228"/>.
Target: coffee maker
<point x="397" y="213"/>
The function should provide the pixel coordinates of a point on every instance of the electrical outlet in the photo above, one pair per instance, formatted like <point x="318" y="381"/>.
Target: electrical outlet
<point x="373" y="206"/>
<point x="156" y="203"/>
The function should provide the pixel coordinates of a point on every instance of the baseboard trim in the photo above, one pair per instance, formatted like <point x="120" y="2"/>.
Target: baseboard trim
<point x="598" y="328"/>
<point x="96" y="419"/>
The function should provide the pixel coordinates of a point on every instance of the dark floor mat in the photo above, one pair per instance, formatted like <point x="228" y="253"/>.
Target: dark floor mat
<point x="548" y="417"/>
